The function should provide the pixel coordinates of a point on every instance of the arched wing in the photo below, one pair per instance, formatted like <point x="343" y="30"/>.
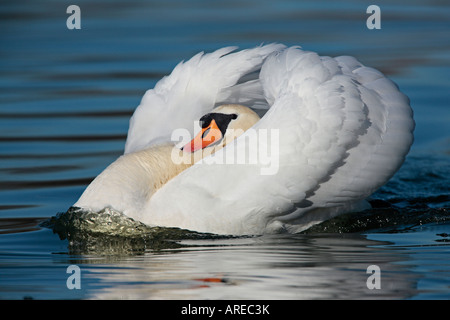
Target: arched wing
<point x="192" y="89"/>
<point x="341" y="130"/>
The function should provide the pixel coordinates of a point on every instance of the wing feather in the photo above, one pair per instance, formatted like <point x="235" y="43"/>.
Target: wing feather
<point x="191" y="90"/>
<point x="342" y="131"/>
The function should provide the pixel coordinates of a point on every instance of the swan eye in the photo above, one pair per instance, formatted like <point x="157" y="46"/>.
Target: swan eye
<point x="205" y="133"/>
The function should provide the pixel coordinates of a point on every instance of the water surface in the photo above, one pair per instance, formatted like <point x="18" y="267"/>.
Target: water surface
<point x="66" y="97"/>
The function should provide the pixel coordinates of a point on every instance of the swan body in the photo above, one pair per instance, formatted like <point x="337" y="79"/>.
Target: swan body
<point x="340" y="130"/>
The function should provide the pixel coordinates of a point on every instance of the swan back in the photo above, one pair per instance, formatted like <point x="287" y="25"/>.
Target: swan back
<point x="342" y="130"/>
<point x="335" y="131"/>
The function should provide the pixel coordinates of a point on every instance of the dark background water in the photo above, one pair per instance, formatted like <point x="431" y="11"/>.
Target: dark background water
<point x="66" y="97"/>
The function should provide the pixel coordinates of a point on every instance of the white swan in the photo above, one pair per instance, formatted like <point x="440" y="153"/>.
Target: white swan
<point x="340" y="131"/>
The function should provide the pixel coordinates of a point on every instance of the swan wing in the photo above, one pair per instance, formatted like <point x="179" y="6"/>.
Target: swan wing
<point x="192" y="89"/>
<point x="335" y="132"/>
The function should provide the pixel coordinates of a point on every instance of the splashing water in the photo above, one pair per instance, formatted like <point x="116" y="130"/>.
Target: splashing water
<point x="111" y="232"/>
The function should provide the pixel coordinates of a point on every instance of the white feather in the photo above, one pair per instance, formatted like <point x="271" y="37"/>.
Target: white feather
<point x="191" y="90"/>
<point x="342" y="131"/>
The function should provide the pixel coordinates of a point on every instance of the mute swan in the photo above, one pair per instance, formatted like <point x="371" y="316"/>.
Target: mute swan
<point x="340" y="131"/>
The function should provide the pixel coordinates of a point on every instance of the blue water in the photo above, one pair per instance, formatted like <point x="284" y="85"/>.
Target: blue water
<point x="66" y="97"/>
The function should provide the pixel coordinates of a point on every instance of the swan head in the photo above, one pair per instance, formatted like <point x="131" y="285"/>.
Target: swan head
<point x="221" y="126"/>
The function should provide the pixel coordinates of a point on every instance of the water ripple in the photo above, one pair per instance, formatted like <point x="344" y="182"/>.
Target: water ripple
<point x="71" y="138"/>
<point x="28" y="184"/>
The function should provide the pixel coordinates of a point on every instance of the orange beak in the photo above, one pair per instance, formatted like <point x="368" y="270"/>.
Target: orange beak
<point x="204" y="138"/>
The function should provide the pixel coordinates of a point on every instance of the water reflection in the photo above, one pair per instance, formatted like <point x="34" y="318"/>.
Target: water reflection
<point x="268" y="267"/>
<point x="124" y="259"/>
<point x="169" y="263"/>
<point x="177" y="264"/>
